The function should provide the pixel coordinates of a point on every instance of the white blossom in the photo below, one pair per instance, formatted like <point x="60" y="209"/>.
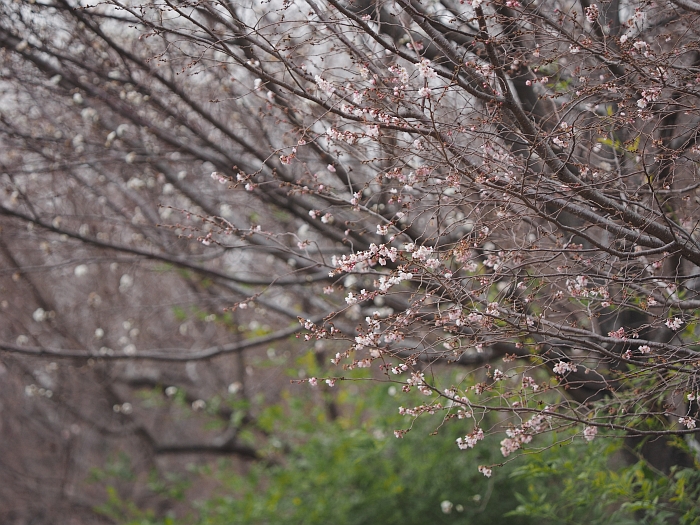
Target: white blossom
<point x="689" y="422"/>
<point x="674" y="324"/>
<point x="325" y="86"/>
<point x="562" y="367"/>
<point x="589" y="433"/>
<point x="484" y="470"/>
<point x="424" y="69"/>
<point x="40" y="315"/>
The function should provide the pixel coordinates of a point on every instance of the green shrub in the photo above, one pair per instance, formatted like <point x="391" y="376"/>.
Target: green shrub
<point x="575" y="484"/>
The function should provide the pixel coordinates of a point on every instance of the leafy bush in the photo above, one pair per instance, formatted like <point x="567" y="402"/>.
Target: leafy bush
<point x="576" y="484"/>
<point x="336" y="475"/>
<point x="351" y="470"/>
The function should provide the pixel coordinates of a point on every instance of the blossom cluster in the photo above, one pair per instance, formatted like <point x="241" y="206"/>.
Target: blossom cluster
<point x="361" y="261"/>
<point x="368" y="340"/>
<point x="420" y="409"/>
<point x="485" y="471"/>
<point x="529" y="382"/>
<point x="345" y="136"/>
<point x="399" y="369"/>
<point x="648" y="96"/>
<point x="471" y="439"/>
<point x="493" y="261"/>
<point x="422" y="254"/>
<point x="417" y="379"/>
<point x="454" y="314"/>
<point x="325" y="86"/>
<point x="219" y="177"/>
<point x="498" y="163"/>
<point x="562" y="367"/>
<point x="618" y="334"/>
<point x="372" y="113"/>
<point x="589" y="433"/>
<point x="592" y="13"/>
<point x="315" y="331"/>
<point x="518" y="436"/>
<point x="456" y="399"/>
<point x="401" y="74"/>
<point x="364" y="295"/>
<point x="579" y="288"/>
<point x="689" y="422"/>
<point x="675" y="323"/>
<point x="287" y="159"/>
<point x="424" y="69"/>
<point x="385" y="283"/>
<point x="398" y="174"/>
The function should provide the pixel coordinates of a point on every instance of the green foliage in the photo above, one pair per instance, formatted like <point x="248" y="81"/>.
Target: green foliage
<point x="575" y="484"/>
<point x="117" y="468"/>
<point x="125" y="512"/>
<point x="118" y="472"/>
<point x="350" y="469"/>
<point x="171" y="486"/>
<point x="366" y="475"/>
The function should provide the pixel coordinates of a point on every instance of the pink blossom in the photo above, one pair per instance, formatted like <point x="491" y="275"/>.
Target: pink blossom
<point x="689" y="422"/>
<point x="530" y="382"/>
<point x="485" y="471"/>
<point x="325" y="86"/>
<point x="674" y="324"/>
<point x="589" y="433"/>
<point x="562" y="367"/>
<point x="219" y="177"/>
<point x="618" y="334"/>
<point x="592" y="13"/>
<point x="424" y="69"/>
<point x="471" y="439"/>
